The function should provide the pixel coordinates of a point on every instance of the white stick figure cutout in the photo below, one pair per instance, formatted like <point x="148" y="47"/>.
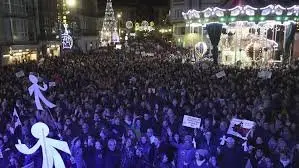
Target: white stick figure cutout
<point x="38" y="96"/>
<point x="51" y="157"/>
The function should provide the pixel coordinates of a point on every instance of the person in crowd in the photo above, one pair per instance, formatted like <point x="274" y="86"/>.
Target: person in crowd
<point x="112" y="157"/>
<point x="127" y="153"/>
<point x="231" y="153"/>
<point x="99" y="155"/>
<point x="77" y="153"/>
<point x="200" y="160"/>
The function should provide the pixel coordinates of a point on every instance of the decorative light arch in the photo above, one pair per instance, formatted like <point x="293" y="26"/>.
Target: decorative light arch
<point x="247" y="13"/>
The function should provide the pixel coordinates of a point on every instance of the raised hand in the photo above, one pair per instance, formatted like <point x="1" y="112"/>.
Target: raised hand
<point x="21" y="147"/>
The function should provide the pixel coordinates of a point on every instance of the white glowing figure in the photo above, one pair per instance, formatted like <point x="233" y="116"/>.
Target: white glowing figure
<point x="38" y="96"/>
<point x="67" y="40"/>
<point x="51" y="157"/>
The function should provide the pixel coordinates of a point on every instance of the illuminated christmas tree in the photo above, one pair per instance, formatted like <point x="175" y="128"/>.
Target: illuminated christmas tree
<point x="109" y="30"/>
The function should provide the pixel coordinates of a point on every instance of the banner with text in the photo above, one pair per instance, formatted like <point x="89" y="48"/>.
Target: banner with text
<point x="192" y="122"/>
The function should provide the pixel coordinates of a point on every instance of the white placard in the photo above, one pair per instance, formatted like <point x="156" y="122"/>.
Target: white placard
<point x="150" y="54"/>
<point x="264" y="74"/>
<point x="20" y="74"/>
<point x="143" y="53"/>
<point x="118" y="46"/>
<point x="240" y="128"/>
<point x="220" y="74"/>
<point x="192" y="122"/>
<point x="52" y="84"/>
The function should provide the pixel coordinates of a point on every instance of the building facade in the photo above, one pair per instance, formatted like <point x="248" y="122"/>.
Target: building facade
<point x="19" y="30"/>
<point x="177" y="20"/>
<point x="85" y="25"/>
<point x="31" y="28"/>
<point x="48" y="28"/>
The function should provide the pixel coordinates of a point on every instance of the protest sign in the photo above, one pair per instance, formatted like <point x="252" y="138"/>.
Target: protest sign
<point x="192" y="122"/>
<point x="20" y="74"/>
<point x="52" y="84"/>
<point x="240" y="128"/>
<point x="220" y="74"/>
<point x="264" y="74"/>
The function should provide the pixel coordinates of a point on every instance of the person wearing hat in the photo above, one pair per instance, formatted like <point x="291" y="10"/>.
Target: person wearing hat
<point x="200" y="160"/>
<point x="231" y="154"/>
<point x="185" y="150"/>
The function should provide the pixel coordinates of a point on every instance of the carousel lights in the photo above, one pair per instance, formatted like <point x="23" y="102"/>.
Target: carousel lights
<point x="191" y="14"/>
<point x="294" y="10"/>
<point x="262" y="18"/>
<point x="241" y="10"/>
<point x="272" y="9"/>
<point x="213" y="11"/>
<point x="224" y="15"/>
<point x="251" y="18"/>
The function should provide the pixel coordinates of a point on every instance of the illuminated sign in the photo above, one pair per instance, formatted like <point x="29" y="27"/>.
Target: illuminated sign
<point x="67" y="40"/>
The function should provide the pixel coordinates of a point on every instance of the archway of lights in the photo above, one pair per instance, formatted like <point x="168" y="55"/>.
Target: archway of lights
<point x="250" y="36"/>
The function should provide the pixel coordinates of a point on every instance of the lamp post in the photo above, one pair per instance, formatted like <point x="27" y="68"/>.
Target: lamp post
<point x="118" y="20"/>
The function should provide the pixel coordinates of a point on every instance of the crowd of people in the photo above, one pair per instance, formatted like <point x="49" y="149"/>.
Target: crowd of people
<point x="128" y="112"/>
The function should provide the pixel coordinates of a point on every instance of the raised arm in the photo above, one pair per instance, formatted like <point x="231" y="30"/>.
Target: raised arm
<point x="25" y="150"/>
<point x="44" y="88"/>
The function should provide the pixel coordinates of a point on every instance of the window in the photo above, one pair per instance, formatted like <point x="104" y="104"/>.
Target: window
<point x="20" y="29"/>
<point x="18" y="7"/>
<point x="179" y="30"/>
<point x="178" y="14"/>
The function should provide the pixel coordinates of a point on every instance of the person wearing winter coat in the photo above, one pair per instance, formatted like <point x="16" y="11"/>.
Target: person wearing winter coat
<point x="77" y="153"/>
<point x="112" y="158"/>
<point x="200" y="160"/>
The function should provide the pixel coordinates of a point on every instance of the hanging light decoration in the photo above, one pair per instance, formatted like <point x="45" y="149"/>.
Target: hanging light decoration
<point x="294" y="10"/>
<point x="210" y="12"/>
<point x="191" y="14"/>
<point x="272" y="10"/>
<point x="243" y="10"/>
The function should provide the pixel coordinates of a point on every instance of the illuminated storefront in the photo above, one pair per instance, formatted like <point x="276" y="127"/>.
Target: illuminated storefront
<point x="53" y="49"/>
<point x="19" y="54"/>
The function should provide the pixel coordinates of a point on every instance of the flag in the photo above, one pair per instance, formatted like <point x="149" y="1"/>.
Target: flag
<point x="240" y="128"/>
<point x="16" y="118"/>
<point x="30" y="165"/>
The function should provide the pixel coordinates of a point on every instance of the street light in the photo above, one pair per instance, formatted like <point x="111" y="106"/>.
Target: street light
<point x="119" y="15"/>
<point x="71" y="3"/>
<point x="118" y="20"/>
